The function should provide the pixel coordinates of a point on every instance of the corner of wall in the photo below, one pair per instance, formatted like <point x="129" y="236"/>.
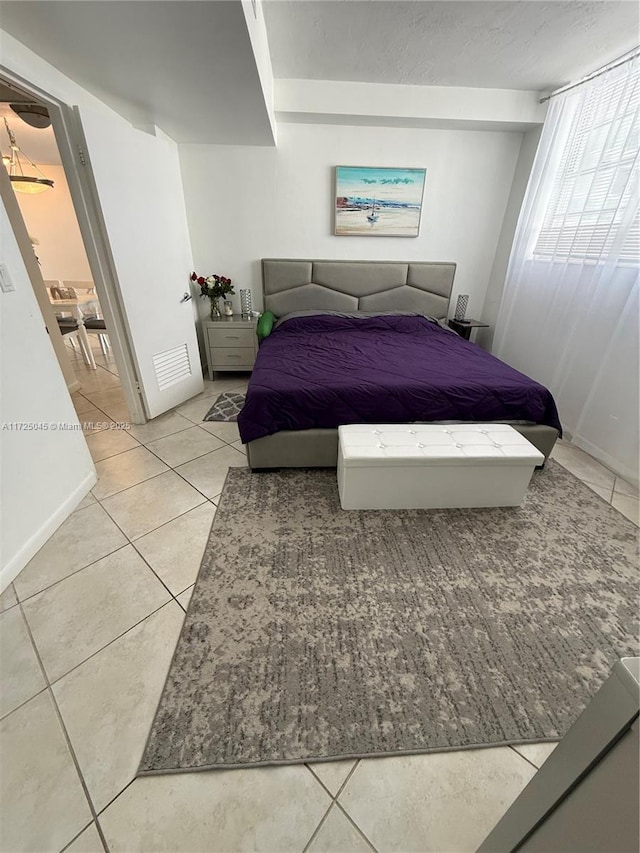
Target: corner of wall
<point x="493" y="296"/>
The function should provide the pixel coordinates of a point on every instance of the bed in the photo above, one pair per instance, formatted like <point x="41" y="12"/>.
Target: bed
<point x="360" y="342"/>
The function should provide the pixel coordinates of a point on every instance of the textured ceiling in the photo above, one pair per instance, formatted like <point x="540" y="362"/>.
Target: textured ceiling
<point x="509" y="44"/>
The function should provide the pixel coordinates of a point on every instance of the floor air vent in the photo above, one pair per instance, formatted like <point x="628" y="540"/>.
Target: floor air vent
<point x="171" y="366"/>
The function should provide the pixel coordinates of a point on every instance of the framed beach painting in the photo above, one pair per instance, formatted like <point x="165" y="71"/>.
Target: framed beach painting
<point x="378" y="202"/>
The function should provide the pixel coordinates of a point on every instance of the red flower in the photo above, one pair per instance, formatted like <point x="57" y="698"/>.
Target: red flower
<point x="194" y="277"/>
<point x="202" y="281"/>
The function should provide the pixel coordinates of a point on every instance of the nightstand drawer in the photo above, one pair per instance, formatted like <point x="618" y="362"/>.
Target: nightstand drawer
<point x="225" y="337"/>
<point x="241" y="357"/>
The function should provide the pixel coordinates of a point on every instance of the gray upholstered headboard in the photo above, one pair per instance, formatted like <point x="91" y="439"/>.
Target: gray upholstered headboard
<point x="296" y="285"/>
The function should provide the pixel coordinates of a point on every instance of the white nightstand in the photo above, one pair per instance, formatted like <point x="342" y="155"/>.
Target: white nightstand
<point x="231" y="343"/>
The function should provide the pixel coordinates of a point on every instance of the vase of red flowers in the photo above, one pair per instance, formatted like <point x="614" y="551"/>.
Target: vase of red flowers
<point x="215" y="287"/>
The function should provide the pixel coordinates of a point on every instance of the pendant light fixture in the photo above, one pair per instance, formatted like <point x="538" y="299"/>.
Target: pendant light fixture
<point x="34" y="114"/>
<point x="23" y="183"/>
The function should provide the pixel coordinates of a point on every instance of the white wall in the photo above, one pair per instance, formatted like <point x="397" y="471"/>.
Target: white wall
<point x="44" y="473"/>
<point x="246" y="203"/>
<point x="51" y="219"/>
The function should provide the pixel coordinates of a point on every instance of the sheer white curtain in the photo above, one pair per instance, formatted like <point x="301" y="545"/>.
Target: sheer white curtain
<point x="569" y="312"/>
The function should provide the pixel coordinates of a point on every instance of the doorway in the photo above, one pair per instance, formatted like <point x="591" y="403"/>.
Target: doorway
<point x="86" y="358"/>
<point x="73" y="259"/>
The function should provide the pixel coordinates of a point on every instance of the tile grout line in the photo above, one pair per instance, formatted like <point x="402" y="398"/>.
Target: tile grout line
<point x="148" y="564"/>
<point x="95" y="406"/>
<point x="169" y="468"/>
<point x="93" y="654"/>
<point x="569" y="446"/>
<point x="335" y="796"/>
<point x="98" y="384"/>
<point x="153" y="529"/>
<point x="624" y="494"/>
<point x="337" y="804"/>
<point x="75" y="572"/>
<point x="105" y="413"/>
<point x="22" y="704"/>
<point x="92" y="374"/>
<point x="343" y="809"/>
<point x="186" y="463"/>
<point x="113" y="799"/>
<point x="139" y="483"/>
<point x="164" y="462"/>
<point x="65" y="733"/>
<point x="75" y="837"/>
<point x="324" y="817"/>
<point x="160" y="526"/>
<point x="355" y="825"/>
<point x="106" y="645"/>
<point x="593" y="486"/>
<point x="349" y="775"/>
<point x="148" y="480"/>
<point x="168" y="435"/>
<point x="318" y="779"/>
<point x="635" y="498"/>
<point x="589" y="483"/>
<point x="523" y="757"/>
<point x="119" y="452"/>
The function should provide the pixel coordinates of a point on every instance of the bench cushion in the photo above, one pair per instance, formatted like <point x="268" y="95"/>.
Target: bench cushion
<point x="379" y="445"/>
<point x="414" y="466"/>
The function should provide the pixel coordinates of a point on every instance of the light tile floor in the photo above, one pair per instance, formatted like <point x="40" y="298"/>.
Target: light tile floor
<point x="87" y="634"/>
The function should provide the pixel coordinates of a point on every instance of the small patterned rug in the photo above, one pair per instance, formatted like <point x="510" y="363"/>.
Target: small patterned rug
<point x="226" y="408"/>
<point x="316" y="634"/>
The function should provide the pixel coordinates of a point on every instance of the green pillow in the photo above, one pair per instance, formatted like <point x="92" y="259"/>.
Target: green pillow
<point x="265" y="324"/>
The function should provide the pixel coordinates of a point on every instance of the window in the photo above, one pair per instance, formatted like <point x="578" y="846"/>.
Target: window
<point x="597" y="181"/>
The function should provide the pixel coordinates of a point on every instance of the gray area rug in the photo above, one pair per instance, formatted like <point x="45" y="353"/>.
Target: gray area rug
<point x="226" y="408"/>
<point x="315" y="633"/>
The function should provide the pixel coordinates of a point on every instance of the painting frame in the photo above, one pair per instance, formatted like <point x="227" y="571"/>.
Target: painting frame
<point x="378" y="201"/>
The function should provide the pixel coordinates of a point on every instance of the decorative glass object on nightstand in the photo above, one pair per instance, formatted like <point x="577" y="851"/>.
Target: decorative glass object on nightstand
<point x="461" y="307"/>
<point x="245" y="302"/>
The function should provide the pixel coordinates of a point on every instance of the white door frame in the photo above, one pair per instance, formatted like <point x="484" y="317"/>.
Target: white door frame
<point x="72" y="148"/>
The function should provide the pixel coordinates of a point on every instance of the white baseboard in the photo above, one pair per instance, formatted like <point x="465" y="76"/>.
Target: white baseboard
<point x="16" y="564"/>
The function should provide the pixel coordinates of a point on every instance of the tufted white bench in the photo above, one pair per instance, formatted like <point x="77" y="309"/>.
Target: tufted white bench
<point x="424" y="466"/>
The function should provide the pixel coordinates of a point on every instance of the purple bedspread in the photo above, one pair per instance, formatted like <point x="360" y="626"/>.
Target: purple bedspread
<point x="323" y="371"/>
